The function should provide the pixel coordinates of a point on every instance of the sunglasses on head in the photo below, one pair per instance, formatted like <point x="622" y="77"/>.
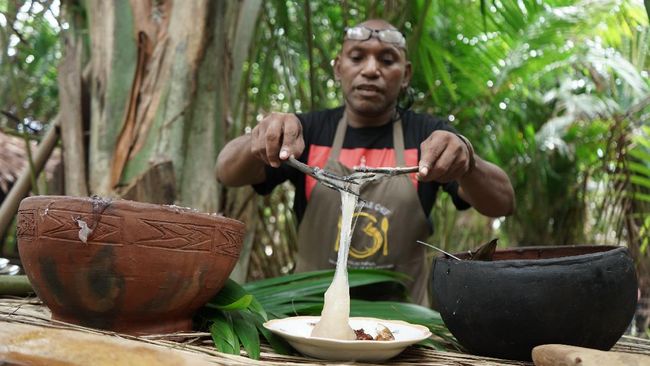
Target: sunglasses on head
<point x="362" y="33"/>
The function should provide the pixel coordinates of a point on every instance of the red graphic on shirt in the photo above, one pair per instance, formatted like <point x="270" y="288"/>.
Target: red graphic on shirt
<point x="353" y="157"/>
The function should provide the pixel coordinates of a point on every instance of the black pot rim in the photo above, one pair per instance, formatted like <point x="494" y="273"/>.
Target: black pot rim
<point x="570" y="259"/>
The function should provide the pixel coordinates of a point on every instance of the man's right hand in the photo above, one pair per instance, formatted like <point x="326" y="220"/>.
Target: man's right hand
<point x="277" y="137"/>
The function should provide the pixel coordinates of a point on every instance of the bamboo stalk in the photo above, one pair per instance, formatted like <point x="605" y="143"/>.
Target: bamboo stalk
<point x="22" y="186"/>
<point x="15" y="286"/>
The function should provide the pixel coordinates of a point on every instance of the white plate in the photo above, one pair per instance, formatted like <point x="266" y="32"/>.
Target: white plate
<point x="296" y="330"/>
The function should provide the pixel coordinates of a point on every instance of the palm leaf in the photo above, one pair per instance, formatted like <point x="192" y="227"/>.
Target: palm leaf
<point x="291" y="287"/>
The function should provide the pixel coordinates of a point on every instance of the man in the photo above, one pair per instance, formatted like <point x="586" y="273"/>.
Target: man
<point x="369" y="130"/>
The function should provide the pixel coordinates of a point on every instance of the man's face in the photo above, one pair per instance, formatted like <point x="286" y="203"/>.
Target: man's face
<point x="372" y="74"/>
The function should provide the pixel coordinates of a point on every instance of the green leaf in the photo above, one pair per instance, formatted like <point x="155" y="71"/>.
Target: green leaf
<point x="309" y="286"/>
<point x="223" y="334"/>
<point x="411" y="313"/>
<point x="640" y="154"/>
<point x="239" y="304"/>
<point x="278" y="344"/>
<point x="231" y="297"/>
<point x="641" y="196"/>
<point x="433" y="344"/>
<point x="257" y="308"/>
<point x="246" y="331"/>
<point x="298" y="308"/>
<point x="639" y="168"/>
<point x="641" y="181"/>
<point x="271" y="282"/>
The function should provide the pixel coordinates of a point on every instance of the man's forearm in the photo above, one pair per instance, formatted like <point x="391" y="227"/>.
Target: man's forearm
<point x="237" y="166"/>
<point x="488" y="189"/>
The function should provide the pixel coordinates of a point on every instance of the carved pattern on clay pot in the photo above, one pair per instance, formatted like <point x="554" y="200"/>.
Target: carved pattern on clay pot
<point x="174" y="235"/>
<point x="63" y="225"/>
<point x="26" y="225"/>
<point x="144" y="268"/>
<point x="231" y="241"/>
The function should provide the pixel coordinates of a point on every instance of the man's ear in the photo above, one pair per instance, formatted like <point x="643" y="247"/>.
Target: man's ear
<point x="337" y="66"/>
<point x="408" y="73"/>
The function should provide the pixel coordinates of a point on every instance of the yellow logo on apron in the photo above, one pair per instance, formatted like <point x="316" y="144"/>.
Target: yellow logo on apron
<point x="378" y="235"/>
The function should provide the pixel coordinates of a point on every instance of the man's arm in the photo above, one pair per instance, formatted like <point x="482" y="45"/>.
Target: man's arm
<point x="488" y="189"/>
<point x="445" y="157"/>
<point x="242" y="161"/>
<point x="237" y="165"/>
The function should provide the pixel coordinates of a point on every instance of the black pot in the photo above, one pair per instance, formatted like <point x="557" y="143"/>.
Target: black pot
<point x="576" y="295"/>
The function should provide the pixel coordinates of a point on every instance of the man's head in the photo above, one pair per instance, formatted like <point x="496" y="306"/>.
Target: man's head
<point x="372" y="68"/>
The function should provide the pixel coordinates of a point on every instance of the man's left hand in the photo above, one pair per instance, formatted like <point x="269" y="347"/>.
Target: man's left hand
<point x="444" y="157"/>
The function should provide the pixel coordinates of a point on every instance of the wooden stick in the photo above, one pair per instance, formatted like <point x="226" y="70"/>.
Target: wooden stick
<point x="22" y="186"/>
<point x="560" y="354"/>
<point x="388" y="170"/>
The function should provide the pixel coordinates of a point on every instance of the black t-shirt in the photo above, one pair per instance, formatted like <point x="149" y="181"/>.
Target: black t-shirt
<point x="372" y="146"/>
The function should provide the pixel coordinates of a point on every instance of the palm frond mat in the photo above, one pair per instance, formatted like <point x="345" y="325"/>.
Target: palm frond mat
<point x="33" y="312"/>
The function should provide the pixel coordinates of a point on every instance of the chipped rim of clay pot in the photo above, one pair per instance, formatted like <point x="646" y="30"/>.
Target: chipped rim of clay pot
<point x="129" y="237"/>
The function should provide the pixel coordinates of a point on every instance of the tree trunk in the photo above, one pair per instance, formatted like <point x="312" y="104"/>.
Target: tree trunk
<point x="71" y="119"/>
<point x="159" y="77"/>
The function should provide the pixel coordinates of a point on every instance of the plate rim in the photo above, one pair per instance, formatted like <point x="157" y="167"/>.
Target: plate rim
<point x="426" y="333"/>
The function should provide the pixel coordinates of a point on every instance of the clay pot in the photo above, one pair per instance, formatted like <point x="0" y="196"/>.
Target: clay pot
<point x="144" y="268"/>
<point x="581" y="295"/>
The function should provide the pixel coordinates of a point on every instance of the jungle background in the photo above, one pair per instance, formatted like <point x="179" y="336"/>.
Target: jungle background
<point x="141" y="96"/>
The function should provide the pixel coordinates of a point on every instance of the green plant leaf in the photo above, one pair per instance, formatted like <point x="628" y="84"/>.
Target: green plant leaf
<point x="639" y="168"/>
<point x="640" y="154"/>
<point x="641" y="196"/>
<point x="246" y="330"/>
<point x="271" y="282"/>
<point x="641" y="181"/>
<point x="223" y="334"/>
<point x="286" y="290"/>
<point x="411" y="313"/>
<point x="231" y="297"/>
<point x="257" y="308"/>
<point x="278" y="344"/>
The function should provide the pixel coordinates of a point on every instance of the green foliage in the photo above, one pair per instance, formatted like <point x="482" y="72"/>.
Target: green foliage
<point x="550" y="91"/>
<point x="554" y="91"/>
<point x="639" y="177"/>
<point x="30" y="48"/>
<point x="235" y="316"/>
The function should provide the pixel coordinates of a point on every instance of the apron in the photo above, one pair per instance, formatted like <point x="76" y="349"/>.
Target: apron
<point x="385" y="232"/>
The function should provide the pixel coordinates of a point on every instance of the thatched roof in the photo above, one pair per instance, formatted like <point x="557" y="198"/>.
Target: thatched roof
<point x="14" y="160"/>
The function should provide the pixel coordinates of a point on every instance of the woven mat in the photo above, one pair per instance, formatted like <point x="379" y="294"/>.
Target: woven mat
<point x="33" y="312"/>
